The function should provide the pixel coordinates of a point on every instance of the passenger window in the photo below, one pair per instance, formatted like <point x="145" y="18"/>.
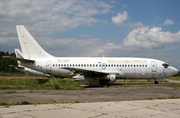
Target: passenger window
<point x="53" y="64"/>
<point x="122" y="65"/>
<point x="111" y="65"/>
<point x="134" y="65"/>
<point x="125" y="65"/>
<point x="139" y="65"/>
<point x="90" y="65"/>
<point x="117" y="65"/>
<point x="67" y="65"/>
<point x="73" y="65"/>
<point x="145" y="65"/>
<point x="64" y="65"/>
<point x="131" y="65"/>
<point x="96" y="65"/>
<point x="128" y="65"/>
<point x="84" y="65"/>
<point x="142" y="65"/>
<point x="76" y="65"/>
<point x="79" y="65"/>
<point x="99" y="65"/>
<point x="114" y="65"/>
<point x="93" y="65"/>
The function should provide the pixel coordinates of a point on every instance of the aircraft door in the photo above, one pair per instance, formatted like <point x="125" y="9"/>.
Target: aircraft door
<point x="48" y="66"/>
<point x="153" y="66"/>
<point x="103" y="66"/>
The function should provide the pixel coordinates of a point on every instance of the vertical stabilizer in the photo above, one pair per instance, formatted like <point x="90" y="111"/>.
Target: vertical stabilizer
<point x="18" y="55"/>
<point x="30" y="48"/>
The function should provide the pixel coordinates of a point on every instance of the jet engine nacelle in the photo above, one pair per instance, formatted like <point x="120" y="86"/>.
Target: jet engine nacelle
<point x="110" y="78"/>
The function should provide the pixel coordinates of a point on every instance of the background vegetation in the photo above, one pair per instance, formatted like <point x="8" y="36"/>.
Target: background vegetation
<point x="4" y="63"/>
<point x="38" y="83"/>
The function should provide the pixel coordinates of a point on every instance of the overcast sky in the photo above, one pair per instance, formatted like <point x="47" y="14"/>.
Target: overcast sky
<point x="112" y="28"/>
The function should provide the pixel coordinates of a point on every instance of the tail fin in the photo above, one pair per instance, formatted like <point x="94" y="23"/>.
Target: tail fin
<point x="18" y="55"/>
<point x="29" y="46"/>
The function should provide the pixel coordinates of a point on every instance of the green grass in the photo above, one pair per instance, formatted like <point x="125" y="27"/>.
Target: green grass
<point x="8" y="92"/>
<point x="38" y="84"/>
<point x="174" y="78"/>
<point x="14" y="103"/>
<point x="174" y="85"/>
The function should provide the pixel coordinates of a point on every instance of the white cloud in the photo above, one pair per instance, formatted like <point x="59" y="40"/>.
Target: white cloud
<point x="120" y="18"/>
<point x="150" y="38"/>
<point x="138" y="25"/>
<point x="48" y="17"/>
<point x="168" y="22"/>
<point x="86" y="35"/>
<point x="125" y="6"/>
<point x="113" y="1"/>
<point x="157" y="17"/>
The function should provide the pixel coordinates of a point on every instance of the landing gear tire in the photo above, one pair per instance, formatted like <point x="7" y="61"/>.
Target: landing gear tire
<point x="156" y="82"/>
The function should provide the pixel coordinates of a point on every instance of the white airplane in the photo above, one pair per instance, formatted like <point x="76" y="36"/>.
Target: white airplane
<point x="31" y="72"/>
<point x="101" y="69"/>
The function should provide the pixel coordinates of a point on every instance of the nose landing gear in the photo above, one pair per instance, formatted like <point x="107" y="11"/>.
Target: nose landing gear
<point x="156" y="82"/>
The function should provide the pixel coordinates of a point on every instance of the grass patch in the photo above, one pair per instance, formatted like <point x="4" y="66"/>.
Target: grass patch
<point x="174" y="78"/>
<point x="25" y="102"/>
<point x="38" y="84"/>
<point x="15" y="103"/>
<point x="174" y="85"/>
<point x="8" y="92"/>
<point x="76" y="101"/>
<point x="135" y="80"/>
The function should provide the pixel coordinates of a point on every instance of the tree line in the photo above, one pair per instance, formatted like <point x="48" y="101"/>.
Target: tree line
<point x="4" y="63"/>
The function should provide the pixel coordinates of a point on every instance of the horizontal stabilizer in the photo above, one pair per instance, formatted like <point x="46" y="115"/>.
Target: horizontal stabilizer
<point x="19" y="67"/>
<point x="19" y="59"/>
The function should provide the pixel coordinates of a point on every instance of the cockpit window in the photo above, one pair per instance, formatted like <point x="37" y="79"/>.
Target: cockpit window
<point x="165" y="65"/>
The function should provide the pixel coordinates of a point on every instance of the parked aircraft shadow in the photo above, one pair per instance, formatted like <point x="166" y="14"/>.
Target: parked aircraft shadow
<point x="126" y="84"/>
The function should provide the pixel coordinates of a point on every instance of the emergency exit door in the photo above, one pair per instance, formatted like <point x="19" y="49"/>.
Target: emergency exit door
<point x="154" y="66"/>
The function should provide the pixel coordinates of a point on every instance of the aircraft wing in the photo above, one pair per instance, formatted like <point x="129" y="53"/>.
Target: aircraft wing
<point x="85" y="71"/>
<point x="19" y="59"/>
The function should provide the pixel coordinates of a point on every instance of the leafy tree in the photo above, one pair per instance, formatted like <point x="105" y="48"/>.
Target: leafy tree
<point x="4" y="63"/>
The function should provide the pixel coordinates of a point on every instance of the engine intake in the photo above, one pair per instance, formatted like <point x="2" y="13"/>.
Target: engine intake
<point x="109" y="78"/>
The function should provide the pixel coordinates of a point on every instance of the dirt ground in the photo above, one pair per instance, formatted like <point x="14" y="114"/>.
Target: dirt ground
<point x="116" y="92"/>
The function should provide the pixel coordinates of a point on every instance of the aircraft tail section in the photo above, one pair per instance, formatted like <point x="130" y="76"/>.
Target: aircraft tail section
<point x="29" y="46"/>
<point x="18" y="53"/>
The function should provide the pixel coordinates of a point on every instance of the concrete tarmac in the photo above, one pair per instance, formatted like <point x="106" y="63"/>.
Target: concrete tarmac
<point x="169" y="108"/>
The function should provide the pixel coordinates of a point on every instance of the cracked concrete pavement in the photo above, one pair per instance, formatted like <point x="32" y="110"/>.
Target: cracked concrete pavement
<point x="140" y="108"/>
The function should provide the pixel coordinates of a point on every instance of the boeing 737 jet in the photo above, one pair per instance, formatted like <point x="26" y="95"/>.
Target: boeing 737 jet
<point x="24" y="69"/>
<point x="103" y="69"/>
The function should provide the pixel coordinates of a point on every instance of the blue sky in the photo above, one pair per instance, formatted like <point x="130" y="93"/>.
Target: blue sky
<point x="113" y="28"/>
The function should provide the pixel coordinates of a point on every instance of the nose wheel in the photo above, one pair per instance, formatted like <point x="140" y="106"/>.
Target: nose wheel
<point x="156" y="82"/>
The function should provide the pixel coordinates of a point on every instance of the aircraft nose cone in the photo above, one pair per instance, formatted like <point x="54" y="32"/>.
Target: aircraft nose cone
<point x="174" y="71"/>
